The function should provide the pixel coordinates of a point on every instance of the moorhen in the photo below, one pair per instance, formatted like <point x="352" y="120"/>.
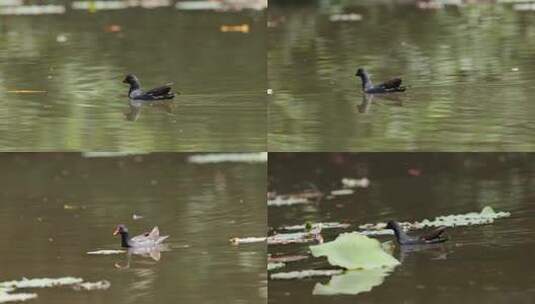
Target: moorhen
<point x="432" y="237"/>
<point x="136" y="93"/>
<point x="148" y="239"/>
<point x="390" y="86"/>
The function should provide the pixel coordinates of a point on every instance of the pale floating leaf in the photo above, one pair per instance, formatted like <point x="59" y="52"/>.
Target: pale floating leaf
<point x="354" y="251"/>
<point x="100" y="285"/>
<point x="106" y="252"/>
<point x="247" y="240"/>
<point x="273" y="266"/>
<point x="15" y="297"/>
<point x="342" y="192"/>
<point x="211" y="158"/>
<point x="353" y="282"/>
<point x="486" y="216"/>
<point x="328" y="225"/>
<point x="287" y="258"/>
<point x="287" y="201"/>
<point x="40" y="283"/>
<point x="356" y="183"/>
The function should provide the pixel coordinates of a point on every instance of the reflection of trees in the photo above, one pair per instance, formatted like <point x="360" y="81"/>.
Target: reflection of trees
<point x="452" y="58"/>
<point x="85" y="100"/>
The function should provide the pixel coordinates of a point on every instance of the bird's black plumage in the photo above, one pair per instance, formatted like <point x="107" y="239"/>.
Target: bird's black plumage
<point x="136" y="93"/>
<point x="390" y="86"/>
<point x="433" y="237"/>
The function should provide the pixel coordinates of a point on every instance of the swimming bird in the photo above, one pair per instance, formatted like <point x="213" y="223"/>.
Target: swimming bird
<point x="432" y="237"/>
<point x="148" y="239"/>
<point x="390" y="86"/>
<point x="136" y="93"/>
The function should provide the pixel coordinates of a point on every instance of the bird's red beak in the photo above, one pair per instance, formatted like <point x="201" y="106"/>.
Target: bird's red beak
<point x="116" y="231"/>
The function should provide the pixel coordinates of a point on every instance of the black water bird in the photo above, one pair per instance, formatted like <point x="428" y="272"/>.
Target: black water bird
<point x="148" y="239"/>
<point x="390" y="86"/>
<point x="432" y="237"/>
<point x="136" y="93"/>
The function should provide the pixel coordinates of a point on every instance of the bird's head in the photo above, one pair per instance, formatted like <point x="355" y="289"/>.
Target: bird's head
<point x="360" y="72"/>
<point x="120" y="229"/>
<point x="131" y="79"/>
<point x="391" y="225"/>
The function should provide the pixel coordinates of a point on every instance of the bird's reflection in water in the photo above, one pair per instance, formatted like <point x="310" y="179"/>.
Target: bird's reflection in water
<point x="435" y="251"/>
<point x="135" y="107"/>
<point x="367" y="100"/>
<point x="154" y="253"/>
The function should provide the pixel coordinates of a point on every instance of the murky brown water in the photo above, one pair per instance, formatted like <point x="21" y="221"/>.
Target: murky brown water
<point x="486" y="263"/>
<point x="469" y="70"/>
<point x="57" y="207"/>
<point x="80" y="62"/>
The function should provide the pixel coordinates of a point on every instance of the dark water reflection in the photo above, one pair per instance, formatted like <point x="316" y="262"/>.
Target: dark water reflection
<point x="221" y="75"/>
<point x="469" y="70"/>
<point x="57" y="207"/>
<point x="486" y="263"/>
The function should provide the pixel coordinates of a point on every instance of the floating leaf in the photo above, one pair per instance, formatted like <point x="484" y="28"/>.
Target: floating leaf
<point x="353" y="282"/>
<point x="486" y="216"/>
<point x="354" y="251"/>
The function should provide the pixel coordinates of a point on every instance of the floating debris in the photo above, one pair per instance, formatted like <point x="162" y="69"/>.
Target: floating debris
<point x="242" y="28"/>
<point x="273" y="266"/>
<point x="210" y="158"/>
<point x="296" y="237"/>
<point x="331" y="225"/>
<point x="223" y="5"/>
<point x="106" y="252"/>
<point x="100" y="285"/>
<point x="113" y="28"/>
<point x="247" y="240"/>
<point x="283" y="200"/>
<point x="524" y="7"/>
<point x="136" y="217"/>
<point x="342" y="192"/>
<point x="15" y="297"/>
<point x="61" y="38"/>
<point x="354" y="251"/>
<point x="40" y="283"/>
<point x="269" y="91"/>
<point x="287" y="258"/>
<point x="486" y="216"/>
<point x="28" y="91"/>
<point x="99" y="5"/>
<point x="356" y="183"/>
<point x="515" y="69"/>
<point x="11" y="3"/>
<point x="111" y="154"/>
<point x="345" y="17"/>
<point x="9" y="286"/>
<point x="353" y="282"/>
<point x="32" y="10"/>
<point x="304" y="274"/>
<point x="282" y="238"/>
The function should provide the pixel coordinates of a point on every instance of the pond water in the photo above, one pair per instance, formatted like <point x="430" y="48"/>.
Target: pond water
<point x="75" y="63"/>
<point x="58" y="207"/>
<point x="469" y="70"/>
<point x="483" y="263"/>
